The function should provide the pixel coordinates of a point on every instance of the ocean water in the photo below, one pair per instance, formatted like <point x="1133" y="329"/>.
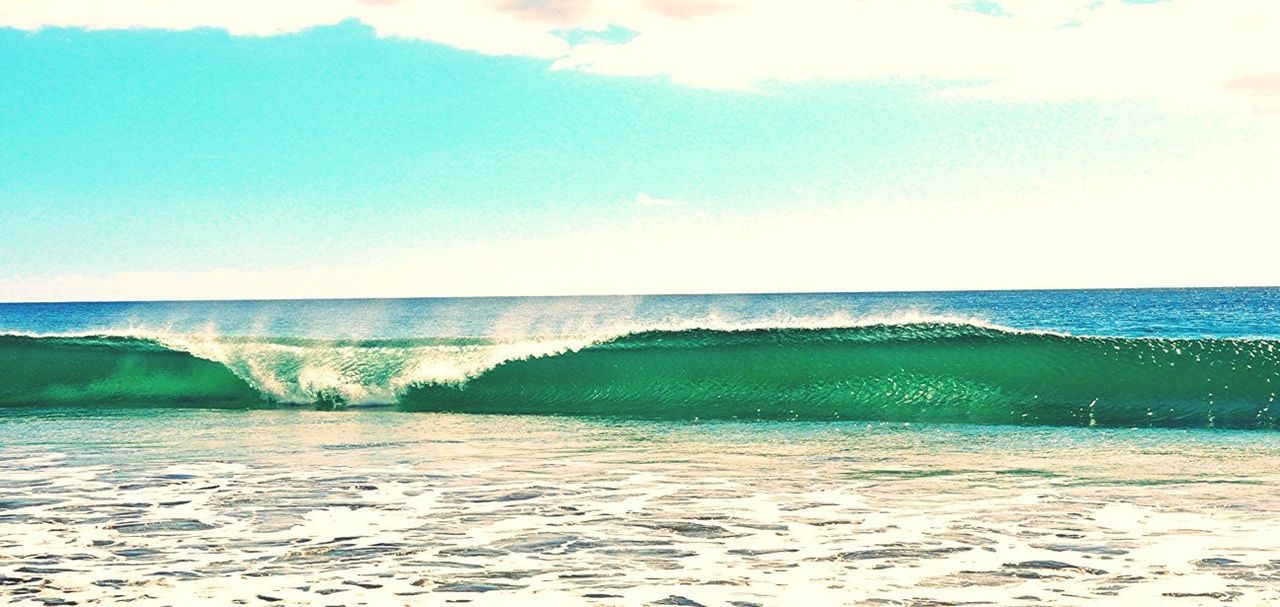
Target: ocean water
<point x="1035" y="447"/>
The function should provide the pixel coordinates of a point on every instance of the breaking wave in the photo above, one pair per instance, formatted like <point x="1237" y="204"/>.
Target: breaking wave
<point x="918" y="371"/>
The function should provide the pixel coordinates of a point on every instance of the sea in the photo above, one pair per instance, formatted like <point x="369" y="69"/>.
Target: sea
<point x="1062" y="447"/>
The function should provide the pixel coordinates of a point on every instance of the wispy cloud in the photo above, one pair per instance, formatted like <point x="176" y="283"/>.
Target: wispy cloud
<point x="1188" y="52"/>
<point x="646" y="200"/>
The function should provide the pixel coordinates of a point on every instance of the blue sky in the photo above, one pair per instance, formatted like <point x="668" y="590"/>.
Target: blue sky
<point x="148" y="159"/>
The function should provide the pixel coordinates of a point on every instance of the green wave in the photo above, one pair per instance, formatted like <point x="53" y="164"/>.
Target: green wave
<point x="929" y="372"/>
<point x="106" y="369"/>
<point x="924" y="372"/>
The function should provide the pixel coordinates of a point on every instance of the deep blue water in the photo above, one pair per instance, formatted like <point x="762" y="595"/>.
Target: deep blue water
<point x="1218" y="312"/>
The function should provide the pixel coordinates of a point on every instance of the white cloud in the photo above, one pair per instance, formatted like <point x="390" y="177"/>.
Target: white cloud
<point x="478" y="26"/>
<point x="1186" y="52"/>
<point x="646" y="200"/>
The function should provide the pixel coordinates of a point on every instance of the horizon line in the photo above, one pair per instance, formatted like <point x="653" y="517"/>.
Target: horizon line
<point x="619" y="295"/>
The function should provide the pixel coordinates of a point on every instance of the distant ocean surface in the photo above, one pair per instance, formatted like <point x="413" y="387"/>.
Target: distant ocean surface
<point x="1125" y="358"/>
<point x="1008" y="448"/>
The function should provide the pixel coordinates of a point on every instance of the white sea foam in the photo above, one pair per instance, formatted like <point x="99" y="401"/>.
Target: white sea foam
<point x="323" y="508"/>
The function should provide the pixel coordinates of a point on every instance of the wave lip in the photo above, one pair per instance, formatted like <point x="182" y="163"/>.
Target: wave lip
<point x="911" y="371"/>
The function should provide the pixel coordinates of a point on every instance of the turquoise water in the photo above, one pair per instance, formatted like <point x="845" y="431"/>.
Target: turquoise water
<point x="1142" y="358"/>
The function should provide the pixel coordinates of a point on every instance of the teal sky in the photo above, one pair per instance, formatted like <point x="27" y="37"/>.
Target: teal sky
<point x="154" y="162"/>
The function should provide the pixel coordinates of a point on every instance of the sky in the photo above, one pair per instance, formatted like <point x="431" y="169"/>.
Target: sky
<point x="201" y="149"/>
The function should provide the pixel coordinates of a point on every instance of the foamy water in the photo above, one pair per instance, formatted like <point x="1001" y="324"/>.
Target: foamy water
<point x="267" y="507"/>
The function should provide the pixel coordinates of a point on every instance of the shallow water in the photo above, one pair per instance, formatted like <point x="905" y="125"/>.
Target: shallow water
<point x="175" y="507"/>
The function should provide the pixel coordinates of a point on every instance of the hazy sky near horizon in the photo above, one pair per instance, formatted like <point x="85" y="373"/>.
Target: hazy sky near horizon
<point x="321" y="148"/>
